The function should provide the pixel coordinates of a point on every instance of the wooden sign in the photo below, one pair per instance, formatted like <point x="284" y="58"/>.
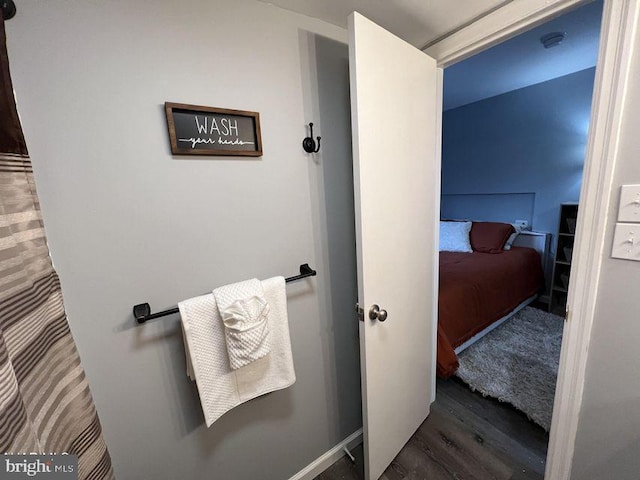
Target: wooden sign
<point x="197" y="130"/>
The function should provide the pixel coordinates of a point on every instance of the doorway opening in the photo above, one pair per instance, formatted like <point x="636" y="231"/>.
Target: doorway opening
<point x="515" y="128"/>
<point x="609" y="75"/>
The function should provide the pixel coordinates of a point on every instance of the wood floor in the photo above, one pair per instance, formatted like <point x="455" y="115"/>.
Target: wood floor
<point x="466" y="436"/>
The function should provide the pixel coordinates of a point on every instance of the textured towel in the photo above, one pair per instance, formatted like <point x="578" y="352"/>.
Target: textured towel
<point x="244" y="312"/>
<point x="220" y="387"/>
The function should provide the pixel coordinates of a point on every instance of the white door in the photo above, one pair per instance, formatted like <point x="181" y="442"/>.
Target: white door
<point x="395" y="105"/>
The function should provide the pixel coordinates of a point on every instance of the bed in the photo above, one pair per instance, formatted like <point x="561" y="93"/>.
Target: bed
<point x="479" y="289"/>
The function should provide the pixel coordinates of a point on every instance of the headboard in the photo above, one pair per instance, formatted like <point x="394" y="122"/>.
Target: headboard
<point x="539" y="241"/>
<point x="488" y="207"/>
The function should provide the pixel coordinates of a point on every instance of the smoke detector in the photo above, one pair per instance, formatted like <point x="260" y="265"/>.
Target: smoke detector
<point x="552" y="39"/>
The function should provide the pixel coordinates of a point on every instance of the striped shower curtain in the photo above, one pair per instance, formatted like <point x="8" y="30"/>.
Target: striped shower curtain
<point x="45" y="402"/>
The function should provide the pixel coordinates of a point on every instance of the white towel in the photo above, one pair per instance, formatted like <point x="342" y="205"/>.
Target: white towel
<point x="244" y="312"/>
<point x="220" y="387"/>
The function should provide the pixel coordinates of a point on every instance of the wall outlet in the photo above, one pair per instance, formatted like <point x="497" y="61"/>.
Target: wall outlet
<point x="523" y="224"/>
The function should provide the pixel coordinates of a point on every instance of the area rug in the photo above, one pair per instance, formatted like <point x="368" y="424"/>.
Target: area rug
<point x="518" y="363"/>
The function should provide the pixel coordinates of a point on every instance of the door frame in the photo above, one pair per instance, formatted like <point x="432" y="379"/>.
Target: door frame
<point x="612" y="77"/>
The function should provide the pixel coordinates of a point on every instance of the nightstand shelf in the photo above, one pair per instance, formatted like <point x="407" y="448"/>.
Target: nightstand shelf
<point x="563" y="258"/>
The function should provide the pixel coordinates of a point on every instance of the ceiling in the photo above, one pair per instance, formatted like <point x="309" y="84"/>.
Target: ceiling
<point x="514" y="64"/>
<point x="416" y="21"/>
<point x="523" y="61"/>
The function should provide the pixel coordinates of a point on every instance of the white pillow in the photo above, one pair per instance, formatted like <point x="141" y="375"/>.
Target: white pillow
<point x="512" y="237"/>
<point x="454" y="237"/>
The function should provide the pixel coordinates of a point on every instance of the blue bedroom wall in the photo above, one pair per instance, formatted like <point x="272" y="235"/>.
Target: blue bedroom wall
<point x="531" y="140"/>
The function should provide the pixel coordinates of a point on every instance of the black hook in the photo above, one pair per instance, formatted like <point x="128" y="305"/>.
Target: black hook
<point x="309" y="144"/>
<point x="8" y="9"/>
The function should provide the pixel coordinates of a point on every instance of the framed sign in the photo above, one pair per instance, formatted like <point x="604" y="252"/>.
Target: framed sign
<point x="197" y="130"/>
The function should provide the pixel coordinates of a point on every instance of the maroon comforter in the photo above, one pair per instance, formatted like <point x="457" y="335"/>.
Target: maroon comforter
<point x="477" y="289"/>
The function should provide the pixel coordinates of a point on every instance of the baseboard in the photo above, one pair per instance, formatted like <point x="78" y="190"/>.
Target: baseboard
<point x="327" y="459"/>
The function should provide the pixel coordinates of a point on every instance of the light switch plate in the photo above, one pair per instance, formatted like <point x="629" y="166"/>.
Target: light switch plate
<point x="626" y="241"/>
<point x="629" y="208"/>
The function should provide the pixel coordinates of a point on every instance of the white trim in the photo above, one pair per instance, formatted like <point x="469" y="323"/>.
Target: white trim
<point x="612" y="77"/>
<point x="496" y="27"/>
<point x="327" y="459"/>
<point x="494" y="325"/>
<point x="620" y="18"/>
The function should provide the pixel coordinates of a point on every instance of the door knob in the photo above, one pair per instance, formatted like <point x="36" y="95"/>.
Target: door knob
<point x="376" y="314"/>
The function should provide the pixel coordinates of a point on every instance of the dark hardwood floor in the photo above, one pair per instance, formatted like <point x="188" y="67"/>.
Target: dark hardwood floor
<point x="467" y="436"/>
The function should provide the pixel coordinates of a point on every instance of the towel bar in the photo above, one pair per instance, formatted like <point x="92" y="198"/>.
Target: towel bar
<point x="142" y="311"/>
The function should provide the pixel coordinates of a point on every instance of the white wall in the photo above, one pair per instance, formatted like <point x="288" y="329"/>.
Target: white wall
<point x="608" y="439"/>
<point x="129" y="223"/>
